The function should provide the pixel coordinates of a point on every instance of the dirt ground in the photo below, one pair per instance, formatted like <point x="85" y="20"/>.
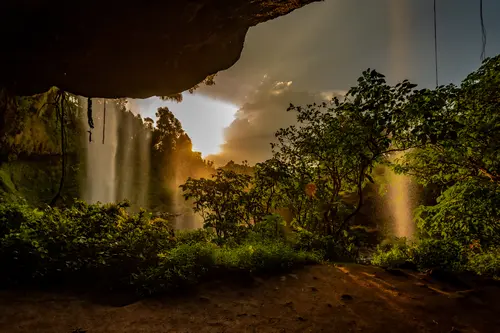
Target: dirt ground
<point x="342" y="298"/>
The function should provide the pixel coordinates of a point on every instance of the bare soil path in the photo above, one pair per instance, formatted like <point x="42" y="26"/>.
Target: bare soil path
<point x="328" y="298"/>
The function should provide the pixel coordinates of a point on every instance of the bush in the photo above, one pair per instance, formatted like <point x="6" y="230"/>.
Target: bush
<point x="95" y="240"/>
<point x="485" y="263"/>
<point x="104" y="244"/>
<point x="272" y="227"/>
<point x="465" y="212"/>
<point x="269" y="257"/>
<point x="189" y="264"/>
<point x="427" y="254"/>
<point x="447" y="255"/>
<point x="184" y="265"/>
<point x="326" y="247"/>
<point x="194" y="236"/>
<point x="392" y="253"/>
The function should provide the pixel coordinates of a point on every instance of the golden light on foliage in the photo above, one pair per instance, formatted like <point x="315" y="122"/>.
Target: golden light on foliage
<point x="310" y="190"/>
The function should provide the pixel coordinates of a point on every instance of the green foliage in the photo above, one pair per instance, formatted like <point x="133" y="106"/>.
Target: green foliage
<point x="272" y="227"/>
<point x="485" y="263"/>
<point x="448" y="255"/>
<point x="31" y="125"/>
<point x="169" y="130"/>
<point x="8" y="192"/>
<point x="455" y="133"/>
<point x="426" y="254"/>
<point x="35" y="179"/>
<point x="263" y="257"/>
<point x="460" y="129"/>
<point x="194" y="236"/>
<point x="172" y="160"/>
<point x="84" y="239"/>
<point x="334" y="149"/>
<point x="184" y="265"/>
<point x="106" y="246"/>
<point x="189" y="264"/>
<point x="465" y="212"/>
<point x="327" y="247"/>
<point x="222" y="201"/>
<point x="392" y="254"/>
<point x="319" y="173"/>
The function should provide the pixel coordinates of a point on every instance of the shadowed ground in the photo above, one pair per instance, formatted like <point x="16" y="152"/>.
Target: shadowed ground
<point x="343" y="298"/>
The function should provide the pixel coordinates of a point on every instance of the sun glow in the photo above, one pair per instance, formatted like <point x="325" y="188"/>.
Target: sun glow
<point x="204" y="119"/>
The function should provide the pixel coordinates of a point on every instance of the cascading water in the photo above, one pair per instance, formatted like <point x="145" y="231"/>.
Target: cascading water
<point x="186" y="218"/>
<point x="118" y="167"/>
<point x="142" y="173"/>
<point x="100" y="178"/>
<point x="126" y="172"/>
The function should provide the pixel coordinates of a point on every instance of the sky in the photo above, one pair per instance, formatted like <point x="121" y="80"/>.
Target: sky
<point x="321" y="50"/>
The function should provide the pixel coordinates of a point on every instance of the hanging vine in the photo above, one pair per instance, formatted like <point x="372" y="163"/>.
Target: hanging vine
<point x="59" y="102"/>
<point x="90" y="120"/>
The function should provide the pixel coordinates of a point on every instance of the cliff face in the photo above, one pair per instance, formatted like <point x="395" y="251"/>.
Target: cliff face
<point x="111" y="48"/>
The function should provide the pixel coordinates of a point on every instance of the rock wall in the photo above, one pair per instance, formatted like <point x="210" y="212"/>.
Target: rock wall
<point x="124" y="48"/>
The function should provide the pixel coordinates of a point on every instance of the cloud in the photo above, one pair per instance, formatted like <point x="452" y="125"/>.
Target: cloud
<point x="285" y="61"/>
<point x="322" y="49"/>
<point x="250" y="134"/>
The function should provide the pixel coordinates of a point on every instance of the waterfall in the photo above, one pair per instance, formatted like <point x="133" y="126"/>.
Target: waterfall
<point x="142" y="174"/>
<point x="186" y="218"/>
<point x="400" y="202"/>
<point x="117" y="168"/>
<point x="100" y="178"/>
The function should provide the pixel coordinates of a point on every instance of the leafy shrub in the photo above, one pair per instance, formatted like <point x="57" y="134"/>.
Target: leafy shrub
<point x="104" y="244"/>
<point x="465" y="212"/>
<point x="392" y="253"/>
<point x="327" y="247"/>
<point x="447" y="255"/>
<point x="270" y="228"/>
<point x="84" y="239"/>
<point x="426" y="254"/>
<point x="266" y="257"/>
<point x="485" y="263"/>
<point x="194" y="236"/>
<point x="221" y="201"/>
<point x="184" y="265"/>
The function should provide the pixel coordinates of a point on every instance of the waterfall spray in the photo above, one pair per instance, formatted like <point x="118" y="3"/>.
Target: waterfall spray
<point x="117" y="163"/>
<point x="400" y="202"/>
<point x="143" y="171"/>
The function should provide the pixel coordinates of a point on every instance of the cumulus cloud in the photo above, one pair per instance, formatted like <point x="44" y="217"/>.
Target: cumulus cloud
<point x="293" y="59"/>
<point x="250" y="134"/>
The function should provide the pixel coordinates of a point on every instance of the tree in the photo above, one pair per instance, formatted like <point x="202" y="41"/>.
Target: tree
<point x="336" y="145"/>
<point x="462" y="130"/>
<point x="465" y="212"/>
<point x="460" y="133"/>
<point x="221" y="201"/>
<point x="168" y="130"/>
<point x="172" y="160"/>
